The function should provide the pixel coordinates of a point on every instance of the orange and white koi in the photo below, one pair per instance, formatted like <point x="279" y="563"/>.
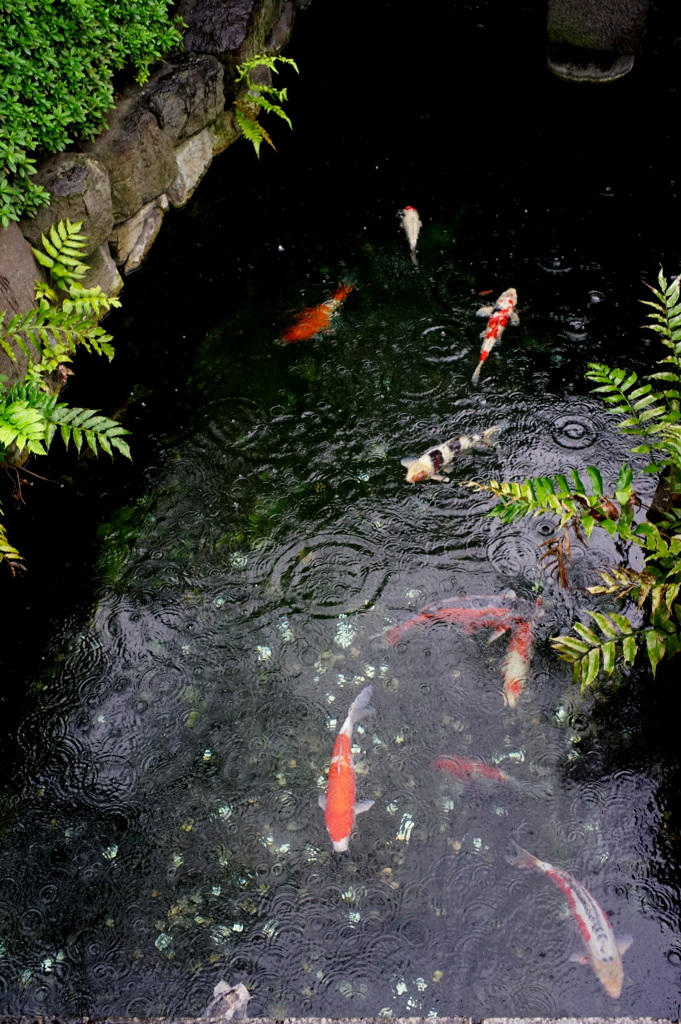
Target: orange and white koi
<point x="603" y="951"/>
<point x="500" y="315"/>
<point x="339" y="805"/>
<point x="428" y="465"/>
<point x="517" y="661"/>
<point x="468" y="613"/>
<point x="315" y="319"/>
<point x="411" y="222"/>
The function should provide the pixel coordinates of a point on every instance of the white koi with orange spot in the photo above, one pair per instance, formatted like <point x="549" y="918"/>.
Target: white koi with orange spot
<point x="339" y="805"/>
<point x="603" y="951"/>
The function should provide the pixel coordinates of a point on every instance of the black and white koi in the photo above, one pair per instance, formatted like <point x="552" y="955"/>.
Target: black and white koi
<point x="429" y="465"/>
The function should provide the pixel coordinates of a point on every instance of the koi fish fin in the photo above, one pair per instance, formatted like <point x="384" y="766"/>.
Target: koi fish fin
<point x="580" y="958"/>
<point x="623" y="943"/>
<point x="514" y="319"/>
<point x="409" y="461"/>
<point x="363" y="805"/>
<point x="497" y="633"/>
<point x="321" y="800"/>
<point x="485" y="311"/>
<point x="442" y="479"/>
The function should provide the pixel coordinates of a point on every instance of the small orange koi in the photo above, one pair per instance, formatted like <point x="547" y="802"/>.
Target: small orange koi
<point x="315" y="319"/>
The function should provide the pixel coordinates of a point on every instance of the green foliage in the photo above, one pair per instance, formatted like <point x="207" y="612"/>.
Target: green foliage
<point x="56" y="62"/>
<point x="31" y="414"/>
<point x="260" y="97"/>
<point x="652" y="415"/>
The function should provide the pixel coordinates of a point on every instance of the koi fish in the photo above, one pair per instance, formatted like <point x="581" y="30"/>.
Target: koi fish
<point x="500" y="314"/>
<point x="315" y="319"/>
<point x="517" y="661"/>
<point x="469" y="614"/>
<point x="470" y="769"/>
<point x="428" y="466"/>
<point x="229" y="1002"/>
<point x="339" y="805"/>
<point x="603" y="951"/>
<point x="411" y="222"/>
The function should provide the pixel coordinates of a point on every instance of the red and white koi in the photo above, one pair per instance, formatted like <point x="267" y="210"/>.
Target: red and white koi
<point x="500" y="315"/>
<point x="339" y="805"/>
<point x="468" y="613"/>
<point x="603" y="951"/>
<point x="411" y="222"/>
<point x="518" y="657"/>
<point x="469" y="769"/>
<point x="428" y="465"/>
<point x="315" y="319"/>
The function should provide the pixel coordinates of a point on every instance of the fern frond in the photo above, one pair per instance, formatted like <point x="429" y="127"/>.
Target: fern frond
<point x="23" y="425"/>
<point x="63" y="253"/>
<point x="89" y="302"/>
<point x="8" y="552"/>
<point x="88" y="425"/>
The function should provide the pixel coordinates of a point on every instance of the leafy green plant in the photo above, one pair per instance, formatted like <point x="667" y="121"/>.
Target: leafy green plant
<point x="56" y="62"/>
<point x="577" y="507"/>
<point x="259" y="97"/>
<point x="31" y="414"/>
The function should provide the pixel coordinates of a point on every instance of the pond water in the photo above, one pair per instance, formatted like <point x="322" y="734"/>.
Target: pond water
<point x="195" y="627"/>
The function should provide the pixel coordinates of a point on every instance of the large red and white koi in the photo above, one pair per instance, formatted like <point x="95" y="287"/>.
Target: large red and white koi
<point x="603" y="951"/>
<point x="315" y="319"/>
<point x="339" y="805"/>
<point x="468" y="613"/>
<point x="500" y="315"/>
<point x="518" y="657"/>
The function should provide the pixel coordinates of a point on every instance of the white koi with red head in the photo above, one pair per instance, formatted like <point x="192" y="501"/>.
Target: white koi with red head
<point x="603" y="951"/>
<point x="500" y="315"/>
<point x="339" y="805"/>
<point x="429" y="465"/>
<point x="411" y="222"/>
<point x="519" y="655"/>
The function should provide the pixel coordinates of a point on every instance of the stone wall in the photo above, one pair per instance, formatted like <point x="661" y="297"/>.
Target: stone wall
<point x="160" y="141"/>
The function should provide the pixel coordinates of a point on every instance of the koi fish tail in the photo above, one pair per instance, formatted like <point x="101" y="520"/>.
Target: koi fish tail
<point x="342" y="292"/>
<point x="478" y="368"/>
<point x="359" y="709"/>
<point x="414" y="258"/>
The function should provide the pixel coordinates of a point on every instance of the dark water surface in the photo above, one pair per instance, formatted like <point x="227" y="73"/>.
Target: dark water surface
<point x="194" y="628"/>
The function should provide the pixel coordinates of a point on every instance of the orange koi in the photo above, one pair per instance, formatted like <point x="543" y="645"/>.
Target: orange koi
<point x="339" y="805"/>
<point x="468" y="769"/>
<point x="603" y="951"/>
<point x="468" y="613"/>
<point x="315" y="319"/>
<point x="500" y="315"/>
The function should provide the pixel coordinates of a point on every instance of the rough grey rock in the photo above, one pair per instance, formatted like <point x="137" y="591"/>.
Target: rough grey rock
<point x="193" y="160"/>
<point x="139" y="157"/>
<point x="187" y="95"/>
<point x="224" y="131"/>
<point x="103" y="272"/>
<point x="18" y="274"/>
<point x="132" y="240"/>
<point x="80" y="190"/>
<point x="280" y="33"/>
<point x="238" y="28"/>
